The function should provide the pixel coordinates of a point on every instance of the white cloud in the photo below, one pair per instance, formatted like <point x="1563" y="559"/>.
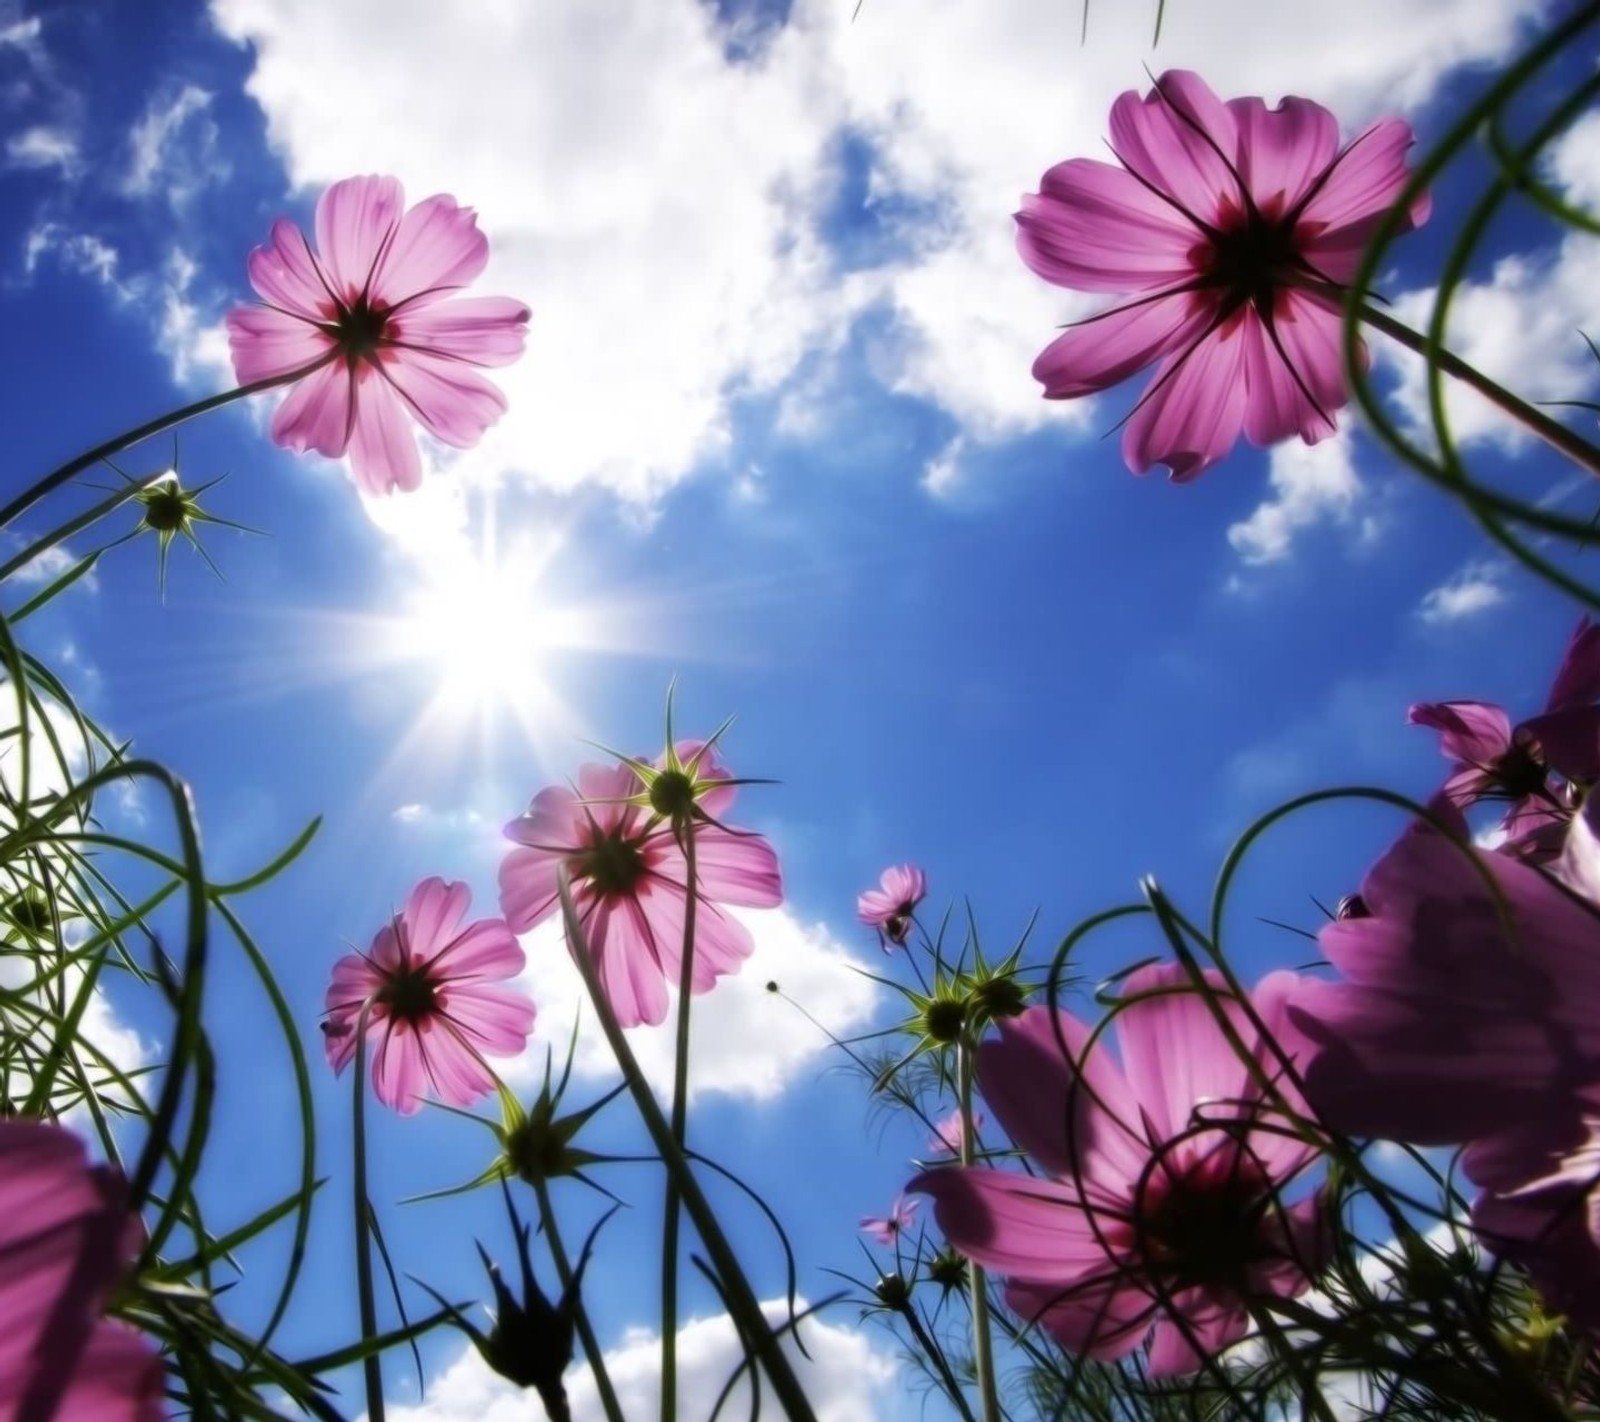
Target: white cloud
<point x="1521" y="328"/>
<point x="1475" y="588"/>
<point x="663" y="206"/>
<point x="196" y="345"/>
<point x="44" y="146"/>
<point x="846" y="1379"/>
<point x="1575" y="160"/>
<point x="943" y="473"/>
<point x="174" y="142"/>
<point x="746" y="1041"/>
<point x="80" y="252"/>
<point x="1311" y="484"/>
<point x="47" y="566"/>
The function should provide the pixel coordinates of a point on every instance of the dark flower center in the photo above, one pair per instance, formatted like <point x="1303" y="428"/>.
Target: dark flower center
<point x="1250" y="258"/>
<point x="165" y="510"/>
<point x="409" y="995"/>
<point x="613" y="864"/>
<point x="360" y="327"/>
<point x="1520" y="772"/>
<point x="1204" y="1224"/>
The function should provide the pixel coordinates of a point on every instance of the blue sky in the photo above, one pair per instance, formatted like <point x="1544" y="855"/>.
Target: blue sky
<point x="775" y="434"/>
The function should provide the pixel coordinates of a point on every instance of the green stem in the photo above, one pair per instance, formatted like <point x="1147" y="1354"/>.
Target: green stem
<point x="99" y="511"/>
<point x="935" y="1353"/>
<point x="741" y="1298"/>
<point x="57" y="477"/>
<point x="1553" y="432"/>
<point x="680" y="1131"/>
<point x="371" y="1364"/>
<point x="982" y="1342"/>
<point x="580" y="1315"/>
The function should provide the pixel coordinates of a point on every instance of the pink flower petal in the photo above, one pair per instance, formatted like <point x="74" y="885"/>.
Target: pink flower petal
<point x="1471" y="732"/>
<point x="1176" y="1349"/>
<point x="1180" y="138"/>
<point x="265" y="343"/>
<point x="1577" y="680"/>
<point x="481" y="330"/>
<point x="485" y="949"/>
<point x="1106" y="349"/>
<point x="285" y="274"/>
<point x="1361" y="187"/>
<point x="383" y="447"/>
<point x="1095" y="227"/>
<point x="1193" y="412"/>
<point x="1073" y="1113"/>
<point x="1283" y="151"/>
<point x="630" y="974"/>
<point x="355" y="220"/>
<point x="436" y="247"/>
<point x="1307" y="345"/>
<point x="449" y="399"/>
<point x="316" y="414"/>
<point x="528" y="892"/>
<point x="1019" y="1225"/>
<point x="432" y="914"/>
<point x="496" y="1020"/>
<point x="736" y="868"/>
<point x="1101" y="1316"/>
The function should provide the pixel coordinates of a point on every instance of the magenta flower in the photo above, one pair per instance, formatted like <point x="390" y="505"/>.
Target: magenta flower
<point x="369" y="326"/>
<point x="900" y="1218"/>
<point x="434" y="1001"/>
<point x="891" y="906"/>
<point x="66" y="1240"/>
<point x="1160" y="1213"/>
<point x="629" y="881"/>
<point x="1495" y="760"/>
<point x="1231" y="228"/>
<point x="947" y="1133"/>
<point x="1458" y="1014"/>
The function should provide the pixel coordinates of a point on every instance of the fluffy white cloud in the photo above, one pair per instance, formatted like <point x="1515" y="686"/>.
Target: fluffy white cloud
<point x="942" y="474"/>
<point x="662" y="195"/>
<point x="746" y="1041"/>
<point x="1521" y="328"/>
<point x="1475" y="588"/>
<point x="1311" y="483"/>
<point x="846" y="1379"/>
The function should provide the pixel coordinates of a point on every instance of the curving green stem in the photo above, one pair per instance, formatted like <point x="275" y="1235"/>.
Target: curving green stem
<point x="1553" y="432"/>
<point x="982" y="1342"/>
<point x="115" y="445"/>
<point x="742" y="1303"/>
<point x="680" y="1131"/>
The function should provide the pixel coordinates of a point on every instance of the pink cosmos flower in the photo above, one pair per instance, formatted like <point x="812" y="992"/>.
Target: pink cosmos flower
<point x="1160" y="1213"/>
<point x="902" y="1215"/>
<point x="371" y="322"/>
<point x="432" y="991"/>
<point x="947" y="1133"/>
<point x="1461" y="1010"/>
<point x="629" y="881"/>
<point x="1230" y="228"/>
<point x="889" y="908"/>
<point x="66" y="1239"/>
<point x="1495" y="760"/>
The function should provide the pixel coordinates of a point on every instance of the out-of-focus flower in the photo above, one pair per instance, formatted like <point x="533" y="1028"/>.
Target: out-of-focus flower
<point x="435" y="1002"/>
<point x="66" y="1240"/>
<point x="370" y="326"/>
<point x="1468" y="1012"/>
<point x="1231" y="227"/>
<point x="1468" y="997"/>
<point x="947" y="1133"/>
<point x="629" y="882"/>
<point x="900" y="1218"/>
<point x="890" y="908"/>
<point x="1495" y="760"/>
<point x="1161" y="1213"/>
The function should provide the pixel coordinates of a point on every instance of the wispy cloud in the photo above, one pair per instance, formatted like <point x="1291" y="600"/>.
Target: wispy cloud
<point x="1474" y="589"/>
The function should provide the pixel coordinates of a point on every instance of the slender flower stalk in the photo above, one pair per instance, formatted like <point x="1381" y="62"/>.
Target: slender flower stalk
<point x="371" y="1364"/>
<point x="742" y="1303"/>
<point x="1531" y="418"/>
<point x="982" y="1339"/>
<point x="680" y="1131"/>
<point x="580" y="1315"/>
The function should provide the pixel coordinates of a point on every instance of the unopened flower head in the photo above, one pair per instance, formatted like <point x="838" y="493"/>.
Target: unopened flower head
<point x="891" y="907"/>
